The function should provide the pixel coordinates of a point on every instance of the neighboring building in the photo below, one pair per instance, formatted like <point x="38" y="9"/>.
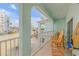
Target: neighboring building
<point x="34" y="32"/>
<point x="45" y="25"/>
<point x="4" y="22"/>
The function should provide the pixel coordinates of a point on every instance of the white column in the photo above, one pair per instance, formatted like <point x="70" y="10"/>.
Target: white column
<point x="25" y="29"/>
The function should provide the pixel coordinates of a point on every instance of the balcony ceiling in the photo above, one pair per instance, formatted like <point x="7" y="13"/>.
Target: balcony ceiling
<point x="57" y="10"/>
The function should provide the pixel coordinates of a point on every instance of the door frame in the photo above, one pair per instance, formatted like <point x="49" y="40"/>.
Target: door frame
<point x="68" y="28"/>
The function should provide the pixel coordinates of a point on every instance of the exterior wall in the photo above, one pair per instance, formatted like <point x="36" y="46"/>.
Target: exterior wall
<point x="59" y="25"/>
<point x="73" y="13"/>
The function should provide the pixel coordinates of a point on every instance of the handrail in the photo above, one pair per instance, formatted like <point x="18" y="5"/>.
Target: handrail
<point x="45" y="32"/>
<point x="9" y="39"/>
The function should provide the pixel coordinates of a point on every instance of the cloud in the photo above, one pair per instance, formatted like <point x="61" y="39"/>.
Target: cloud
<point x="13" y="6"/>
<point x="15" y="23"/>
<point x="5" y="11"/>
<point x="36" y="19"/>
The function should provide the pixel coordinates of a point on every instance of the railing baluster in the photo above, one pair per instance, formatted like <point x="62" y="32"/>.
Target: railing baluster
<point x="10" y="48"/>
<point x="0" y="48"/>
<point x="18" y="46"/>
<point x="14" y="47"/>
<point x="5" y="48"/>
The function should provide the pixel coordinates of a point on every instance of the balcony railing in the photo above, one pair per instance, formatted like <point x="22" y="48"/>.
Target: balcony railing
<point x="9" y="47"/>
<point x="44" y="38"/>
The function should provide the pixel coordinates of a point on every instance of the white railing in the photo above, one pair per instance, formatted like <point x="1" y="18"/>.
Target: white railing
<point x="44" y="38"/>
<point x="9" y="47"/>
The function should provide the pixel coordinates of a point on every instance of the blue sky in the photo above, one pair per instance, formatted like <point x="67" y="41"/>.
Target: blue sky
<point x="12" y="8"/>
<point x="36" y="16"/>
<point x="13" y="11"/>
<point x="35" y="13"/>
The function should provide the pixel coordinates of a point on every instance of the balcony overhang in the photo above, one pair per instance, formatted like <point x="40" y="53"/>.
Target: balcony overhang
<point x="54" y="10"/>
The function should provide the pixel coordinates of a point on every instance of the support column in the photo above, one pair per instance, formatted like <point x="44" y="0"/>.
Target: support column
<point x="25" y="29"/>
